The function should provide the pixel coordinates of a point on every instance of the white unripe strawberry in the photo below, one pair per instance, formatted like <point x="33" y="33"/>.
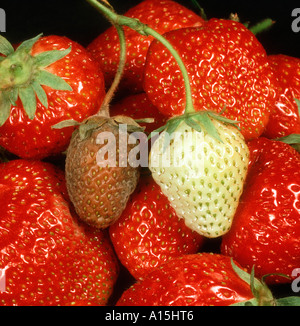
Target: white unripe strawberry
<point x="201" y="166"/>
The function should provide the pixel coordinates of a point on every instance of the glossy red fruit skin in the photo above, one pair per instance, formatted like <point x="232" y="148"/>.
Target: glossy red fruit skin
<point x="149" y="232"/>
<point x="227" y="67"/>
<point x="36" y="138"/>
<point x="202" y="279"/>
<point x="49" y="258"/>
<point x="162" y="16"/>
<point x="266" y="228"/>
<point x="284" y="119"/>
<point x="138" y="106"/>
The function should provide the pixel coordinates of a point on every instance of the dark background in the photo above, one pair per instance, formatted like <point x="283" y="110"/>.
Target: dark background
<point x="82" y="23"/>
<point x="79" y="21"/>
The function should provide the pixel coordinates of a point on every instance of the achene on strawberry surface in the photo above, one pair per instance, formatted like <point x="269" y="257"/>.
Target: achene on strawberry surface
<point x="266" y="228"/>
<point x="149" y="233"/>
<point x="161" y="15"/>
<point x="48" y="257"/>
<point x="228" y="68"/>
<point x="44" y="81"/>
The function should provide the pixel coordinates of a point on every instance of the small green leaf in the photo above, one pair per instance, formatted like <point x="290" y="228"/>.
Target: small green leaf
<point x="171" y="127"/>
<point x="5" y="107"/>
<point x="27" y="45"/>
<point x="290" y="139"/>
<point x="86" y="129"/>
<point x="13" y="96"/>
<point x="5" y="46"/>
<point x="262" y="26"/>
<point x="46" y="78"/>
<point x="66" y="123"/>
<point x="45" y="59"/>
<point x="193" y="124"/>
<point x="223" y="119"/>
<point x="156" y="131"/>
<point x="288" y="301"/>
<point x="201" y="10"/>
<point x="28" y="99"/>
<point x="40" y="93"/>
<point x="204" y="119"/>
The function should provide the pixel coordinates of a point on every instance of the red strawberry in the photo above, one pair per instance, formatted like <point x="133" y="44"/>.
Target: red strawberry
<point x="266" y="226"/>
<point x="190" y="280"/>
<point x="227" y="67"/>
<point x="41" y="88"/>
<point x="284" y="118"/>
<point x="149" y="232"/>
<point x="47" y="257"/>
<point x="138" y="106"/>
<point x="161" y="15"/>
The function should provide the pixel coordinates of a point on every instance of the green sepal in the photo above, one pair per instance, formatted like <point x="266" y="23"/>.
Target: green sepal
<point x="5" y="106"/>
<point x="291" y="139"/>
<point x="40" y="93"/>
<point x="46" y="78"/>
<point x="23" y="76"/>
<point x="193" y="124"/>
<point x="45" y="59"/>
<point x="66" y="123"/>
<point x="171" y="126"/>
<point x="201" y="10"/>
<point x="13" y="95"/>
<point x="5" y="46"/>
<point x="262" y="294"/>
<point x="262" y="26"/>
<point x="205" y="120"/>
<point x="288" y="301"/>
<point x="28" y="99"/>
<point x="156" y="131"/>
<point x="27" y="45"/>
<point x="86" y="129"/>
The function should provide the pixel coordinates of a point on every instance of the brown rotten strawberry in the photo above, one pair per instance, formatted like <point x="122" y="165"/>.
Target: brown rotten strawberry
<point x="99" y="177"/>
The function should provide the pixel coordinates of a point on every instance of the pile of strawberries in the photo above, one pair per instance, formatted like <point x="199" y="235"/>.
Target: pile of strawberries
<point x="71" y="227"/>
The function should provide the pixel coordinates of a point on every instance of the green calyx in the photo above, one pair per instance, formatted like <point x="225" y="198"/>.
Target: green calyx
<point x="262" y="296"/>
<point x="200" y="121"/>
<point x="22" y="76"/>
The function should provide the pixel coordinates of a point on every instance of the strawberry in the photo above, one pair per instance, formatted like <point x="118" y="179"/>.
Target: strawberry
<point x="284" y="119"/>
<point x="138" y="106"/>
<point x="202" y="279"/>
<point x="201" y="168"/>
<point x="47" y="256"/>
<point x="161" y="15"/>
<point x="149" y="232"/>
<point x="99" y="175"/>
<point x="44" y="81"/>
<point x="266" y="226"/>
<point x="228" y="68"/>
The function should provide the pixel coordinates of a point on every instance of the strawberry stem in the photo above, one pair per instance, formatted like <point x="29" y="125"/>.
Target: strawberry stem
<point x="135" y="24"/>
<point x="104" y="110"/>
